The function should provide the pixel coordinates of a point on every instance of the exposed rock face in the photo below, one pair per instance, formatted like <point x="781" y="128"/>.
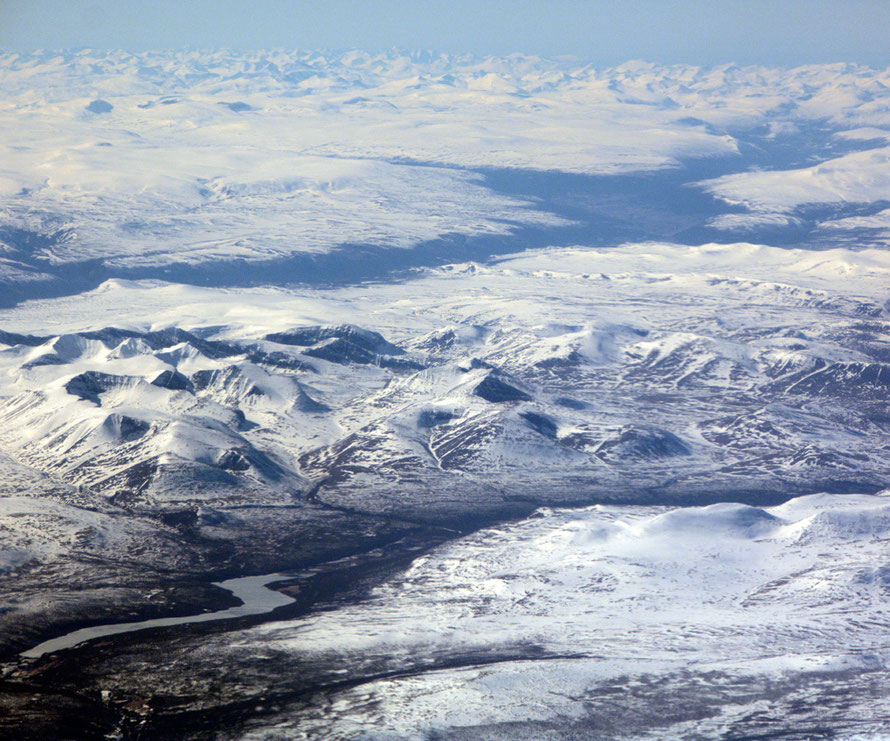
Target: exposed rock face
<point x="644" y="444"/>
<point x="348" y="334"/>
<point x="497" y="391"/>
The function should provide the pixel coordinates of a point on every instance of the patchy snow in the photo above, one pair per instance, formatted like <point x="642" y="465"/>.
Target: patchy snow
<point x="256" y="598"/>
<point x="631" y="594"/>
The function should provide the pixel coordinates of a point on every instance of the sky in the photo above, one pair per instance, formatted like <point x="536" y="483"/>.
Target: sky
<point x="705" y="32"/>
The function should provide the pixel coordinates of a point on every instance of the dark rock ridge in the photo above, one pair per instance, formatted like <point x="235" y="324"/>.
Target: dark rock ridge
<point x="173" y="380"/>
<point x="371" y="342"/>
<point x="540" y="423"/>
<point x="90" y="385"/>
<point x="496" y="390"/>
<point x="644" y="444"/>
<point x="344" y="344"/>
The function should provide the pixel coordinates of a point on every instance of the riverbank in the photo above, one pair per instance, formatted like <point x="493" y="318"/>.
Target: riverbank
<point x="43" y="690"/>
<point x="256" y="598"/>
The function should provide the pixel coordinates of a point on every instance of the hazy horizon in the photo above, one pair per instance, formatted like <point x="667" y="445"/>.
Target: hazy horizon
<point x="603" y="33"/>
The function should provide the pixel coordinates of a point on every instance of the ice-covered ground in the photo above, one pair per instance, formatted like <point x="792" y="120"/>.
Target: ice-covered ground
<point x="726" y="619"/>
<point x="158" y="160"/>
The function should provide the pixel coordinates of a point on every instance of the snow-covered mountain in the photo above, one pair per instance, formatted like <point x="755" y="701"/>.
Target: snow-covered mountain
<point x="646" y="373"/>
<point x="229" y="168"/>
<point x="276" y="311"/>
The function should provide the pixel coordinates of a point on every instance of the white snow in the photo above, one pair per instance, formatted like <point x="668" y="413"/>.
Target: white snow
<point x="861" y="177"/>
<point x="763" y="592"/>
<point x="326" y="151"/>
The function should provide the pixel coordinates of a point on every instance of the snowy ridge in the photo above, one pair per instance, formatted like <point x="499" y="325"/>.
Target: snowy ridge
<point x="703" y="382"/>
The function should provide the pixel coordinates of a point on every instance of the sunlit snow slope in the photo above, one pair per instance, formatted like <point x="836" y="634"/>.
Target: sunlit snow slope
<point x="613" y="622"/>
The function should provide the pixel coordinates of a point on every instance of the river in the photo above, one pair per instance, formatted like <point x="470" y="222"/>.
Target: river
<point x="253" y="591"/>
